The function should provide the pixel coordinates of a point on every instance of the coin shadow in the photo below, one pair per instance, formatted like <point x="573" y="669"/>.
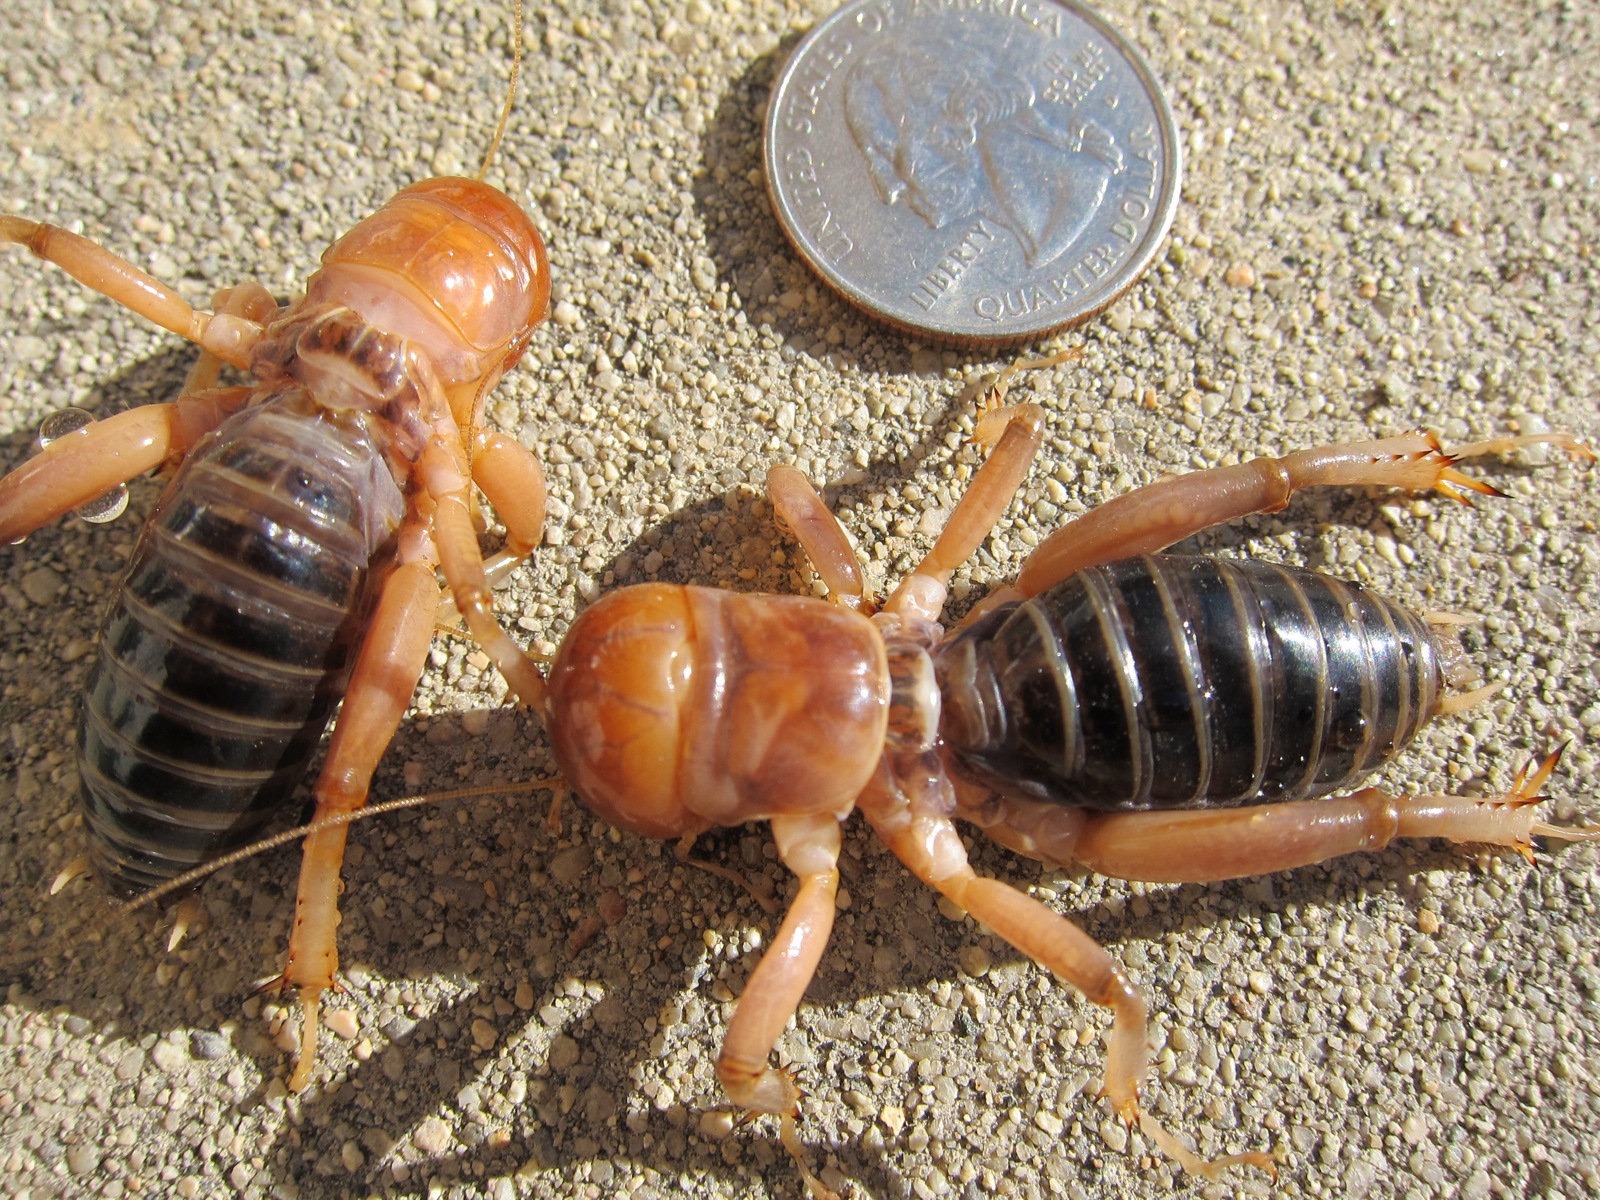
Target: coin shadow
<point x="742" y="236"/>
<point x="750" y="253"/>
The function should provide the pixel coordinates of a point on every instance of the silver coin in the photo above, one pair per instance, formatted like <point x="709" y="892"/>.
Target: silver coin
<point x="979" y="173"/>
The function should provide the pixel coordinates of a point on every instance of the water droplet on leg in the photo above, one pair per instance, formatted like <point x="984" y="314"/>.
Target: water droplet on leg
<point x="73" y="420"/>
<point x="107" y="507"/>
<point x="62" y="422"/>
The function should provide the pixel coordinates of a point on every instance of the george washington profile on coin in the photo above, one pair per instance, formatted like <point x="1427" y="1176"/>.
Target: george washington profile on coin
<point x="982" y="129"/>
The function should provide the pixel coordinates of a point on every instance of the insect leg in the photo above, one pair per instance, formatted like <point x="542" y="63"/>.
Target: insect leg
<point x="1169" y="510"/>
<point x="801" y="511"/>
<point x="922" y="593"/>
<point x="1203" y="846"/>
<point x="391" y="660"/>
<point x="907" y="810"/>
<point x="248" y="300"/>
<point x="808" y="846"/>
<point x="444" y="474"/>
<point x="511" y="477"/>
<point x="84" y="465"/>
<point x="992" y="408"/>
<point x="229" y="337"/>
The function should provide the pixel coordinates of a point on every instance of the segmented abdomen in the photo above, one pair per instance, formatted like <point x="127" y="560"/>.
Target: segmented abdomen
<point x="1174" y="682"/>
<point x="231" y="637"/>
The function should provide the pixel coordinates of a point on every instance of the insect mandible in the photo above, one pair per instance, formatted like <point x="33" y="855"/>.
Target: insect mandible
<point x="1151" y="717"/>
<point x="293" y="559"/>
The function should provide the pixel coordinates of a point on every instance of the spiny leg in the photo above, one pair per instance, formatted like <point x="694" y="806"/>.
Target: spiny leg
<point x="391" y="660"/>
<point x="1169" y="510"/>
<point x="906" y="808"/>
<point x="1506" y="443"/>
<point x="683" y="849"/>
<point x="992" y="408"/>
<point x="808" y="846"/>
<point x="228" y="336"/>
<point x="1203" y="846"/>
<point x="1015" y="433"/>
<point x="84" y="465"/>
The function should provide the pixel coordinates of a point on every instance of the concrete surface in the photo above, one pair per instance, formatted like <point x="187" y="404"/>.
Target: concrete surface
<point x="1389" y="221"/>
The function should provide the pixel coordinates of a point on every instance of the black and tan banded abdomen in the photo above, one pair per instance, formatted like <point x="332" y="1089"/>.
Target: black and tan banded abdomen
<point x="230" y="639"/>
<point x="1176" y="682"/>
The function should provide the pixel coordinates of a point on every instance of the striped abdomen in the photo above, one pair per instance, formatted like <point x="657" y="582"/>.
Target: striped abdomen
<point x="231" y="638"/>
<point x="1172" y="682"/>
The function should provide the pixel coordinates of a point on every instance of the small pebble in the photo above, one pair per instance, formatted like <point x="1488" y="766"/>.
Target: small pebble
<point x="715" y="1124"/>
<point x="130" y="1064"/>
<point x="564" y="1053"/>
<point x="975" y="961"/>
<point x="569" y="865"/>
<point x="83" y="1159"/>
<point x="42" y="585"/>
<point x="1115" y="1134"/>
<point x="432" y="1136"/>
<point x="207" y="1044"/>
<point x="612" y="906"/>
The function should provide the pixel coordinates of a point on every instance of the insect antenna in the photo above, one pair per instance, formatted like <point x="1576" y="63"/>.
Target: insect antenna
<point x="511" y="89"/>
<point x="66" y="940"/>
<point x="190" y="878"/>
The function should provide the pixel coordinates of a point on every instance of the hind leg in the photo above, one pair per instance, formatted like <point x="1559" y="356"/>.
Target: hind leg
<point x="1203" y="846"/>
<point x="392" y="657"/>
<point x="1169" y="510"/>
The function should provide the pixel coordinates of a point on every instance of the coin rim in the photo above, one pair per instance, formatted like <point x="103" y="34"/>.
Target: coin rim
<point x="1166" y="208"/>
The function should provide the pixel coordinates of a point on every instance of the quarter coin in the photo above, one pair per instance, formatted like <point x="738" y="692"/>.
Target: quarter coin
<point x="982" y="174"/>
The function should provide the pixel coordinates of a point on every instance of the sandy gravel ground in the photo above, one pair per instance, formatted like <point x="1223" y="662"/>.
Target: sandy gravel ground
<point x="1389" y="220"/>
